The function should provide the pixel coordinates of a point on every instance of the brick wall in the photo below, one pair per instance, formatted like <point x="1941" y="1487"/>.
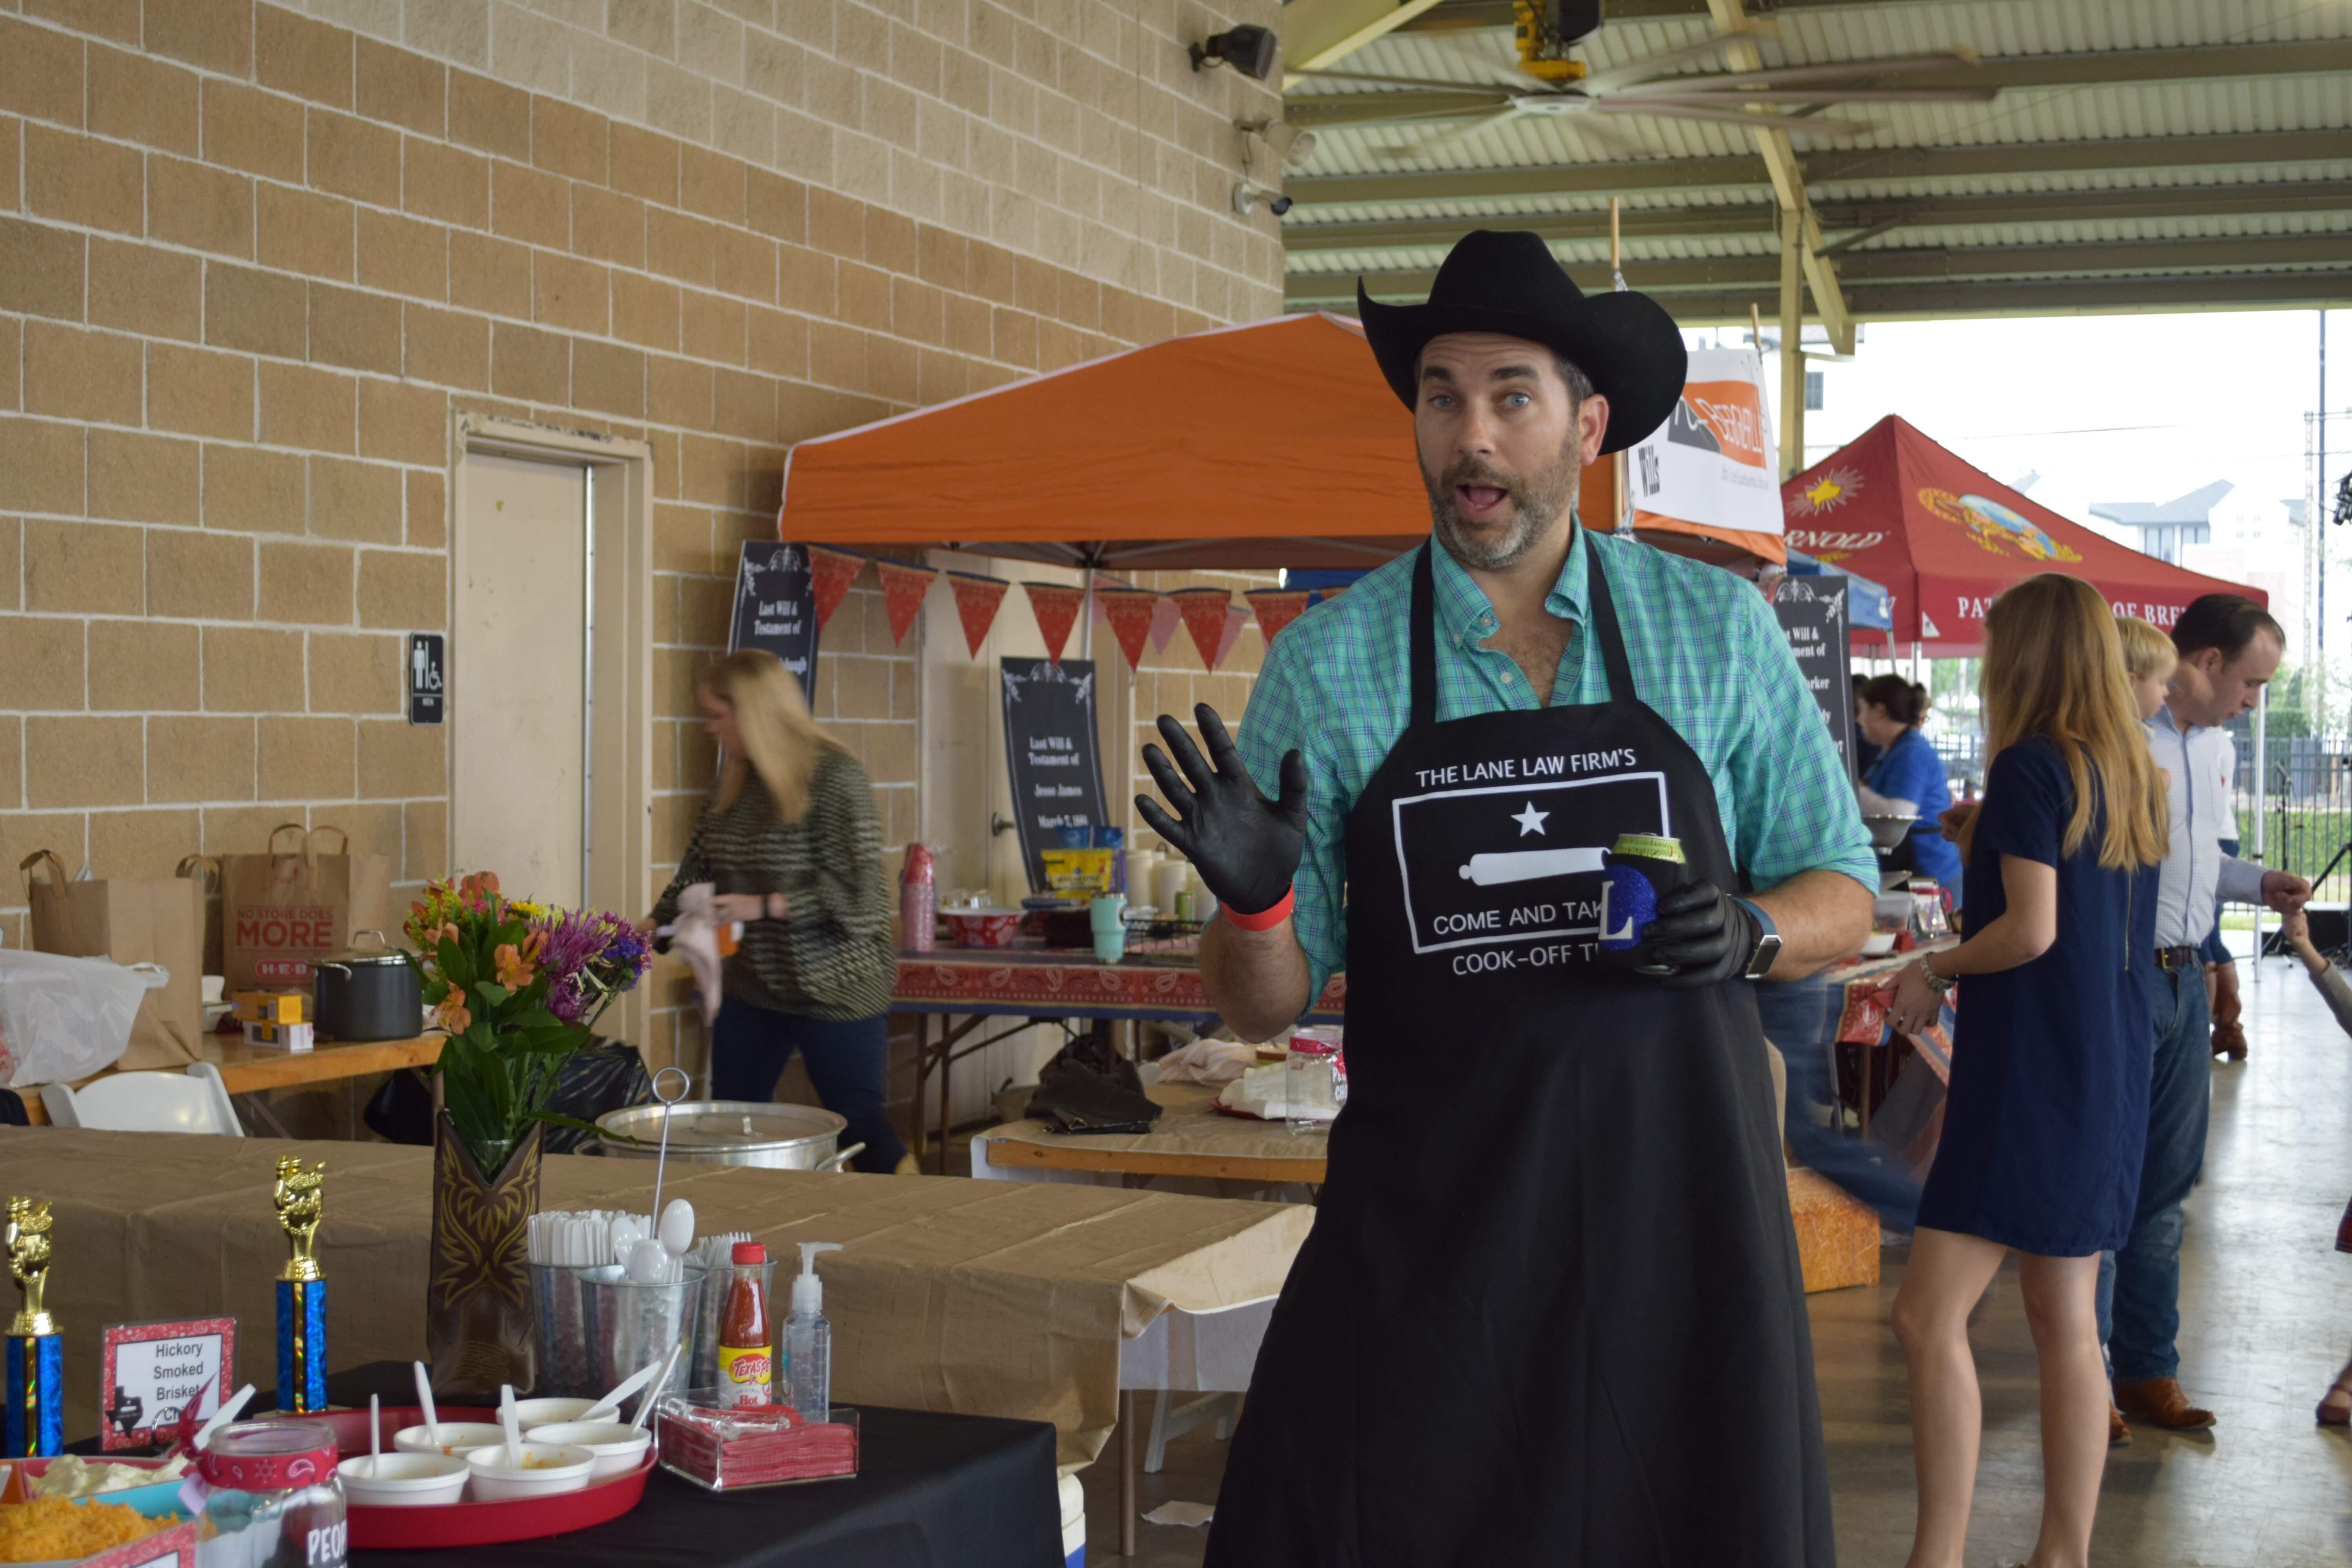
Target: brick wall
<point x="252" y="260"/>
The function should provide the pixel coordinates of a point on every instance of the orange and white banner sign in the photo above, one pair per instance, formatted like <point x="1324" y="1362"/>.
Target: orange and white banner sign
<point x="1711" y="463"/>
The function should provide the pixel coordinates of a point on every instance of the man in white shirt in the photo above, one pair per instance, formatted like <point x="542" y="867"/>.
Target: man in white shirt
<point x="2229" y="646"/>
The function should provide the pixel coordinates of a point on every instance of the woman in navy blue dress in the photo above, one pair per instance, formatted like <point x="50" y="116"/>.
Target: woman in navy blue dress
<point x="2041" y="1148"/>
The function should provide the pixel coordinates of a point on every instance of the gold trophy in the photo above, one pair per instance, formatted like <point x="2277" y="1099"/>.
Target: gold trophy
<point x="35" y="1370"/>
<point x="301" y="1288"/>
<point x="298" y="1201"/>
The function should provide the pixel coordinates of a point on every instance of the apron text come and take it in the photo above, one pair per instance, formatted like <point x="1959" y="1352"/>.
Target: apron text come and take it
<point x="1551" y="1309"/>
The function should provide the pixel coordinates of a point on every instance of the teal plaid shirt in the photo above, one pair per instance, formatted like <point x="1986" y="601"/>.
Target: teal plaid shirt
<point x="1707" y="653"/>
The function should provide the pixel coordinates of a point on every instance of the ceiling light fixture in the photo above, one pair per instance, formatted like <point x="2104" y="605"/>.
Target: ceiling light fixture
<point x="1249" y="50"/>
<point x="1285" y="142"/>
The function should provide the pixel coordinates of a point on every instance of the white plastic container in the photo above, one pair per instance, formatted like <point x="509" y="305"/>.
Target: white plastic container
<point x="618" y="1447"/>
<point x="456" y="1438"/>
<point x="545" y="1468"/>
<point x="808" y="1340"/>
<point x="404" y="1480"/>
<point x="546" y="1412"/>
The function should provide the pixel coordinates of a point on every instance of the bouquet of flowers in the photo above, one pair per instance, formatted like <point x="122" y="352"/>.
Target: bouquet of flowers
<point x="518" y="984"/>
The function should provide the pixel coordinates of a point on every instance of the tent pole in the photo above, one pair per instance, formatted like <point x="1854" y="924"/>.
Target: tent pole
<point x="1792" y="356"/>
<point x="1914" y="664"/>
<point x="2260" y="842"/>
<point x="1623" y="520"/>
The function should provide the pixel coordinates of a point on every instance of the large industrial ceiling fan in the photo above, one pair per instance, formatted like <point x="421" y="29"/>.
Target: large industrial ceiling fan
<point x="1547" y="82"/>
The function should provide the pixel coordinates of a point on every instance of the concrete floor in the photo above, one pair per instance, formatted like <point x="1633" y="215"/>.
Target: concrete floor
<point x="2266" y="1321"/>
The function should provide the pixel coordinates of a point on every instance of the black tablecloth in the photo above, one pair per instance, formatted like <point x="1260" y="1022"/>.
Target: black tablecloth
<point x="931" y="1491"/>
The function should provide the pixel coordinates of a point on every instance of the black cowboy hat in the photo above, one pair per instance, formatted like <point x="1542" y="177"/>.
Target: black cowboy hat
<point x="1510" y="283"/>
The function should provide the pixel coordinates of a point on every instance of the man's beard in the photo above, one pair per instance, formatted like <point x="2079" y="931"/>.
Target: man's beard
<point x="1538" y="501"/>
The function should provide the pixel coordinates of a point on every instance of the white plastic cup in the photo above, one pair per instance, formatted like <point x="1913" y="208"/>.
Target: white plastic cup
<point x="545" y="1468"/>
<point x="457" y="1438"/>
<point x="618" y="1447"/>
<point x="403" y="1480"/>
<point x="546" y="1412"/>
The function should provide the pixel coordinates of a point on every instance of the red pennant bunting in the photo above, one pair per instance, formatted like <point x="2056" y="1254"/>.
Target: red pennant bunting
<point x="903" y="587"/>
<point x="1276" y="608"/>
<point x="977" y="598"/>
<point x="834" y="571"/>
<point x="1203" y="610"/>
<point x="1236" y="619"/>
<point x="1131" y="611"/>
<point x="1164" y="622"/>
<point x="1055" y="605"/>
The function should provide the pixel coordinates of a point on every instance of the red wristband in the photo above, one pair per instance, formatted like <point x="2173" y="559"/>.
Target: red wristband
<point x="1266" y="918"/>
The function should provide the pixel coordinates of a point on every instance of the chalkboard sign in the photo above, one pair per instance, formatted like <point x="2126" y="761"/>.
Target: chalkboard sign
<point x="775" y="607"/>
<point x="1813" y="613"/>
<point x="1049" y="743"/>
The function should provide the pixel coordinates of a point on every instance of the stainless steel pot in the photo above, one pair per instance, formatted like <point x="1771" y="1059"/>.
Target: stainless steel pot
<point x="369" y="996"/>
<point x="774" y="1137"/>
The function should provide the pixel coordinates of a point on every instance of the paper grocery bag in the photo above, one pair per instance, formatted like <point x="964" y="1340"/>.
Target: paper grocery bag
<point x="205" y="870"/>
<point x="284" y="911"/>
<point x="157" y="922"/>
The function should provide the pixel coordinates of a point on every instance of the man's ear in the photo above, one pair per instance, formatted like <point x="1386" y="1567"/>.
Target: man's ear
<point x="1592" y="428"/>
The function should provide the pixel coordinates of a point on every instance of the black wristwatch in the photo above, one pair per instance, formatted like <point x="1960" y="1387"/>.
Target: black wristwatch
<point x="1768" y="942"/>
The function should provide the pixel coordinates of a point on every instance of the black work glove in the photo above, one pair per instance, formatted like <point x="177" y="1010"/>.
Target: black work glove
<point x="1245" y="846"/>
<point x="1704" y="933"/>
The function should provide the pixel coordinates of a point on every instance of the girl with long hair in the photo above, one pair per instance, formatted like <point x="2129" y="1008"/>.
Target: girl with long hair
<point x="2048" y="1108"/>
<point x="790" y="844"/>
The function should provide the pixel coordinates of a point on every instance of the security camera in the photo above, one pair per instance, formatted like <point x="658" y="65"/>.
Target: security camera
<point x="1246" y="197"/>
<point x="1249" y="50"/>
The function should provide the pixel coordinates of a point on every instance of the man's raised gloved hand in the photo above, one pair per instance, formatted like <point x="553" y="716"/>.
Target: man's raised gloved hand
<point x="1704" y="933"/>
<point x="1246" y="847"/>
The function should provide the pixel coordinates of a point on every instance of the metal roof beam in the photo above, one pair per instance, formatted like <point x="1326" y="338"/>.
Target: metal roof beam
<point x="1954" y="263"/>
<point x="1757" y="219"/>
<point x="2098" y="68"/>
<point x="2060" y="297"/>
<point x="1788" y="177"/>
<point x="1648" y="176"/>
<point x="1320" y="34"/>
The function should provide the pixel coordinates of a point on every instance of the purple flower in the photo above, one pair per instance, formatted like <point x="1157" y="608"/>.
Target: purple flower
<point x="589" y="958"/>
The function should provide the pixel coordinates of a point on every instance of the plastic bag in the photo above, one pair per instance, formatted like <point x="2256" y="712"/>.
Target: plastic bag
<point x="65" y="1018"/>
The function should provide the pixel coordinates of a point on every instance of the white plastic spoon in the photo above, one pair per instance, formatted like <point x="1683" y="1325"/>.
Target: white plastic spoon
<point x="221" y="1417"/>
<point x="676" y="1230"/>
<point x="646" y="1406"/>
<point x="610" y="1405"/>
<point x="425" y="1401"/>
<point x="376" y="1439"/>
<point x="512" y="1423"/>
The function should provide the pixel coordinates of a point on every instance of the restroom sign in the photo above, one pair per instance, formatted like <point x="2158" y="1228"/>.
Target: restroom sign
<point x="428" y="669"/>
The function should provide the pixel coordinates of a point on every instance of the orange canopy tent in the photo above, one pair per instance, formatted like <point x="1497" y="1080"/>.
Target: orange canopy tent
<point x="1268" y="444"/>
<point x="1947" y="538"/>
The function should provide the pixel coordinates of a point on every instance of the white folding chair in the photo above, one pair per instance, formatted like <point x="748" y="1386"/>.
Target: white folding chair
<point x="196" y="1101"/>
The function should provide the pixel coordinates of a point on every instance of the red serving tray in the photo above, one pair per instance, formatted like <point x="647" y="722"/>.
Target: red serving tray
<point x="375" y="1528"/>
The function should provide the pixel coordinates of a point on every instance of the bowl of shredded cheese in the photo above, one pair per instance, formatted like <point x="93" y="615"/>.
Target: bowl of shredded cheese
<point x="65" y="1530"/>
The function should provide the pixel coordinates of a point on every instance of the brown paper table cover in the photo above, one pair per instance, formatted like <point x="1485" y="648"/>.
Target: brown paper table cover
<point x="982" y="1298"/>
<point x="1186" y="1127"/>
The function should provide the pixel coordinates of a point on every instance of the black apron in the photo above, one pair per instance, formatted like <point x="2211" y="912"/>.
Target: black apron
<point x="1550" y="1310"/>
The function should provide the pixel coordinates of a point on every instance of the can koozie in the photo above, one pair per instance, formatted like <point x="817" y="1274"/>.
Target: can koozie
<point x="1635" y="873"/>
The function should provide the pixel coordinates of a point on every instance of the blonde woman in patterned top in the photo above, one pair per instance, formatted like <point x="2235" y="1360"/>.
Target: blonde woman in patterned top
<point x="791" y="845"/>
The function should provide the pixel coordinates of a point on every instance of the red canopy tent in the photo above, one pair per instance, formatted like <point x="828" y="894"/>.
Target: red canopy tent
<point x="1947" y="538"/>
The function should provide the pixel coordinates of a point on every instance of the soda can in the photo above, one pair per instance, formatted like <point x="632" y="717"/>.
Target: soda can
<point x="1635" y="873"/>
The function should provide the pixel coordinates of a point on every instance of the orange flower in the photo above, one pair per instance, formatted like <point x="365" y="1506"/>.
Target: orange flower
<point x="450" y="1011"/>
<point x="518" y="965"/>
<point x="478" y="884"/>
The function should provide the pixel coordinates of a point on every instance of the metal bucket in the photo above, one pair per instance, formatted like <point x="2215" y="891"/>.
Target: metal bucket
<point x="630" y="1325"/>
<point x="731" y="1132"/>
<point x="567" y="1364"/>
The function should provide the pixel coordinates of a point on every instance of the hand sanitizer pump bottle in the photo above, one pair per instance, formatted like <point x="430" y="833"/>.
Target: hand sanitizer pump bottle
<point x="808" y="1340"/>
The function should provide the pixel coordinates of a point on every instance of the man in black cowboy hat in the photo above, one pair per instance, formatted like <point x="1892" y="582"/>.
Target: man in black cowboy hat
<point x="1551" y="1309"/>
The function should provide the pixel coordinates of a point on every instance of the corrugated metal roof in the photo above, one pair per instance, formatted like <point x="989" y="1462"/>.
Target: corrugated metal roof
<point x="2071" y="131"/>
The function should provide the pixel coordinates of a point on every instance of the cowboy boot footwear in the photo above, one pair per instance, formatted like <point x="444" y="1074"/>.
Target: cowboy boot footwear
<point x="2160" y="1403"/>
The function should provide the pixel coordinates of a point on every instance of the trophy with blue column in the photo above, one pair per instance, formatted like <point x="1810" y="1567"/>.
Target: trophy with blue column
<point x="301" y="1290"/>
<point x="35" y="1345"/>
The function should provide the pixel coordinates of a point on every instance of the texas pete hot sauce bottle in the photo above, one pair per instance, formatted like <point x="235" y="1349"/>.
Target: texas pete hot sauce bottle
<point x="746" y="1366"/>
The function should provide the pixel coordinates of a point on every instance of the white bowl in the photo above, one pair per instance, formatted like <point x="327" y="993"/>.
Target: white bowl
<point x="547" y="1468"/>
<point x="618" y="1447"/>
<point x="457" y="1438"/>
<point x="404" y="1480"/>
<point x="1878" y="944"/>
<point x="546" y="1412"/>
